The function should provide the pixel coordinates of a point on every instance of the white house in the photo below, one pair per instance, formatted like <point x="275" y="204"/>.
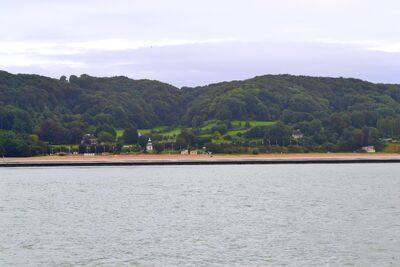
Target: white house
<point x="368" y="149"/>
<point x="149" y="146"/>
<point x="297" y="134"/>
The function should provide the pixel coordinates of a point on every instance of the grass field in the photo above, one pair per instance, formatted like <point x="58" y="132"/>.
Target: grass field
<point x="252" y="123"/>
<point x="174" y="131"/>
<point x="119" y="132"/>
<point x="161" y="130"/>
<point x="236" y="123"/>
<point x="207" y="126"/>
<point x="235" y="132"/>
<point x="144" y="131"/>
<point x="166" y="131"/>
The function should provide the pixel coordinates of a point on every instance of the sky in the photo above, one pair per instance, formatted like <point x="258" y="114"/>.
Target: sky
<point x="190" y="43"/>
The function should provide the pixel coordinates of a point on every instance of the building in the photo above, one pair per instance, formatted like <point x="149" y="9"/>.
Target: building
<point x="193" y="152"/>
<point x="149" y="146"/>
<point x="89" y="140"/>
<point x="368" y="149"/>
<point x="297" y="134"/>
<point x="185" y="152"/>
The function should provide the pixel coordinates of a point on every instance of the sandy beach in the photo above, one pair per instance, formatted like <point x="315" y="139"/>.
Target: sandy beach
<point x="199" y="159"/>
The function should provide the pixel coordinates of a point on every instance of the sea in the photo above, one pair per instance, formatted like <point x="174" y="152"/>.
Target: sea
<point x="228" y="215"/>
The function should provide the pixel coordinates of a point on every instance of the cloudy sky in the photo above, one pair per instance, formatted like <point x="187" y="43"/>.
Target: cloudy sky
<point x="185" y="42"/>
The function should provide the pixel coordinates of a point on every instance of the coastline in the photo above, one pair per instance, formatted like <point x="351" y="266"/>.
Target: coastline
<point x="173" y="159"/>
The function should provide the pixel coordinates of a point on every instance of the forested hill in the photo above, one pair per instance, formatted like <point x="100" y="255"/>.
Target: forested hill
<point x="329" y="111"/>
<point x="292" y="99"/>
<point x="85" y="100"/>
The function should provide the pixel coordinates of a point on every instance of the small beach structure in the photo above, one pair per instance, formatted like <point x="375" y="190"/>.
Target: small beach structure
<point x="149" y="146"/>
<point x="368" y="149"/>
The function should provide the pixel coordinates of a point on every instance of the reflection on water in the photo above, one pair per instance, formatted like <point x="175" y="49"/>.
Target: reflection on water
<point x="292" y="215"/>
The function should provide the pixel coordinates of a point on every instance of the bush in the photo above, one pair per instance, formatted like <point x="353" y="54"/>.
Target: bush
<point x="158" y="147"/>
<point x="255" y="151"/>
<point x="295" y="149"/>
<point x="130" y="136"/>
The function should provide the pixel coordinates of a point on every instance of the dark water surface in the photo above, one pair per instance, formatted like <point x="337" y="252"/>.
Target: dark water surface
<point x="257" y="215"/>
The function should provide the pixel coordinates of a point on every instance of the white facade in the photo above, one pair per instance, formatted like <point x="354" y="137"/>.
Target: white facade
<point x="368" y="149"/>
<point x="149" y="146"/>
<point x="297" y="134"/>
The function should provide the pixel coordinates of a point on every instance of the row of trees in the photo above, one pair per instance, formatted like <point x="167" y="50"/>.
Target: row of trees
<point x="20" y="145"/>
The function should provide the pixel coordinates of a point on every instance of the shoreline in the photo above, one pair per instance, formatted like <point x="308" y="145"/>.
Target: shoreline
<point x="174" y="159"/>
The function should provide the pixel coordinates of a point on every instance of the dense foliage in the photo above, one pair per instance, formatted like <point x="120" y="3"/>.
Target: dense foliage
<point x="293" y="99"/>
<point x="334" y="114"/>
<point x="28" y="100"/>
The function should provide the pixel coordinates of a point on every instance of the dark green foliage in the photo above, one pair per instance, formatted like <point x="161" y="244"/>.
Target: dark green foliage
<point x="293" y="99"/>
<point x="278" y="134"/>
<point x="220" y="127"/>
<point x="118" y="102"/>
<point x="130" y="136"/>
<point x="106" y="129"/>
<point x="334" y="114"/>
<point x="52" y="132"/>
<point x="75" y="135"/>
<point x="19" y="145"/>
<point x="186" y="138"/>
<point x="12" y="118"/>
<point x="159" y="147"/>
<point x="142" y="141"/>
<point x="105" y="137"/>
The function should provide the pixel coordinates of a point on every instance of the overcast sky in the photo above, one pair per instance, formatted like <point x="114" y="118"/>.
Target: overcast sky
<point x="185" y="42"/>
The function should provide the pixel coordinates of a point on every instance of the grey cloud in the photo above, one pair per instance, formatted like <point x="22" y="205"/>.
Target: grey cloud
<point x="270" y="37"/>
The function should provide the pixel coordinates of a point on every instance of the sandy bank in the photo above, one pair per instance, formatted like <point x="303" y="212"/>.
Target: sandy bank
<point x="166" y="159"/>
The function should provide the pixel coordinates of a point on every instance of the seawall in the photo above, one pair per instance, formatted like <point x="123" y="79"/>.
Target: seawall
<point x="162" y="160"/>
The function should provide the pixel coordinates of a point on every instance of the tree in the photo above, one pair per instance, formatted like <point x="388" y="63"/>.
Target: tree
<point x="158" y="147"/>
<point x="187" y="137"/>
<point x="358" y="138"/>
<point x="130" y="135"/>
<point x="106" y="128"/>
<point x="75" y="135"/>
<point x="52" y="131"/>
<point x="278" y="134"/>
<point x="105" y="137"/>
<point x="180" y="142"/>
<point x="142" y="141"/>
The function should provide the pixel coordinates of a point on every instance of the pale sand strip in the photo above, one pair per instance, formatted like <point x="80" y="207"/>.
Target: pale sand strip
<point x="200" y="158"/>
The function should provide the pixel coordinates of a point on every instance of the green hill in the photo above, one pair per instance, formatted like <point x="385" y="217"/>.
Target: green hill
<point x="334" y="114"/>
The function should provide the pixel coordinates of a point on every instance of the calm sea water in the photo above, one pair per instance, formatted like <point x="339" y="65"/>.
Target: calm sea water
<point x="258" y="215"/>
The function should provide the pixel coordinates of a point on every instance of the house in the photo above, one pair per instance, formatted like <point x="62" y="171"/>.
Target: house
<point x="193" y="152"/>
<point x="368" y="149"/>
<point x="185" y="152"/>
<point x="89" y="140"/>
<point x="149" y="146"/>
<point x="297" y="134"/>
